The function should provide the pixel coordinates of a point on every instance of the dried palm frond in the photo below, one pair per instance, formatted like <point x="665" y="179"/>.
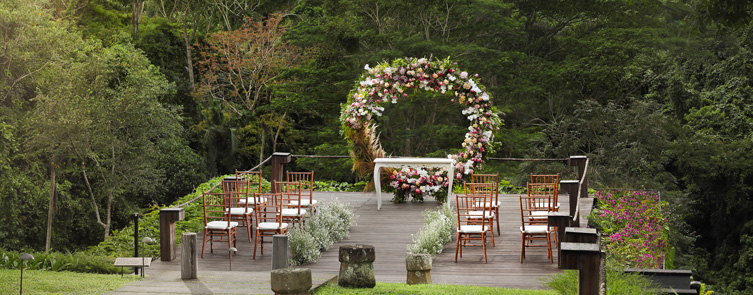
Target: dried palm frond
<point x="365" y="148"/>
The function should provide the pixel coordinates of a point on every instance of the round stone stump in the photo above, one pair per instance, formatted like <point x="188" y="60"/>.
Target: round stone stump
<point x="357" y="266"/>
<point x="291" y="280"/>
<point x="419" y="268"/>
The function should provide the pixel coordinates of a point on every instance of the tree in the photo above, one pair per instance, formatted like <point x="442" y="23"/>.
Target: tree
<point x="102" y="111"/>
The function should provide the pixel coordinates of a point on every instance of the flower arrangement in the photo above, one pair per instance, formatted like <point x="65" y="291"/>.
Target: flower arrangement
<point x="633" y="227"/>
<point x="390" y="82"/>
<point x="419" y="183"/>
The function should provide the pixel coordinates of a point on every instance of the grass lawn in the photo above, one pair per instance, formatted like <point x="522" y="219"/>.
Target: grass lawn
<point x="51" y="282"/>
<point x="398" y="288"/>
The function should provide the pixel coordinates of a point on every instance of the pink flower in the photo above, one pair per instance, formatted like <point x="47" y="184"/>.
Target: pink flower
<point x="463" y="75"/>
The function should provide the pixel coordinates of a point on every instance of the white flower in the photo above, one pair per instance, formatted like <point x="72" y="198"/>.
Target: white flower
<point x="485" y="96"/>
<point x="463" y="75"/>
<point x="367" y="67"/>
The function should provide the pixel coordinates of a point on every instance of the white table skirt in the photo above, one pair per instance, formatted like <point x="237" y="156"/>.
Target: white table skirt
<point x="412" y="163"/>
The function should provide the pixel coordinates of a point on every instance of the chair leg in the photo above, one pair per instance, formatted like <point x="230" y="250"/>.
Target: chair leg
<point x="496" y="216"/>
<point x="522" y="247"/>
<point x="549" y="248"/>
<point x="457" y="247"/>
<point x="483" y="243"/>
<point x="204" y="243"/>
<point x="256" y="242"/>
<point x="491" y="233"/>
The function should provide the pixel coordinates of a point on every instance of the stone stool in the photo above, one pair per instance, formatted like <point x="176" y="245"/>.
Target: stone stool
<point x="291" y="280"/>
<point x="419" y="268"/>
<point x="356" y="266"/>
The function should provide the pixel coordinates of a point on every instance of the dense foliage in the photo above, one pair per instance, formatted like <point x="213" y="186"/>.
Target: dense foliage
<point x="108" y="107"/>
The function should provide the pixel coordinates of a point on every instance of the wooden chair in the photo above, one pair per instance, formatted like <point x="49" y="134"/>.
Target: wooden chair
<point x="268" y="221"/>
<point x="553" y="179"/>
<point x="240" y="210"/>
<point x="307" y="188"/>
<point x="217" y="223"/>
<point x="470" y="228"/>
<point x="493" y="179"/>
<point x="291" y="200"/>
<point x="254" y="179"/>
<point x="483" y="209"/>
<point x="533" y="228"/>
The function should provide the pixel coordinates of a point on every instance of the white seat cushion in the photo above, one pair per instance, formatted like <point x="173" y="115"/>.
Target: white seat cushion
<point x="473" y="229"/>
<point x="271" y="226"/>
<point x="305" y="202"/>
<point x="487" y="204"/>
<point x="477" y="214"/>
<point x="251" y="201"/>
<point x="293" y="212"/>
<point x="240" y="211"/>
<point x="535" y="229"/>
<point x="220" y="225"/>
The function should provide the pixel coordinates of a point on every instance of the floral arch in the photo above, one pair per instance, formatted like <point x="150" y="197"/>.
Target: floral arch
<point x="389" y="82"/>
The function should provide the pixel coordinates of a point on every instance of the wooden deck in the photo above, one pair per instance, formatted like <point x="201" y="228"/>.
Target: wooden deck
<point x="389" y="231"/>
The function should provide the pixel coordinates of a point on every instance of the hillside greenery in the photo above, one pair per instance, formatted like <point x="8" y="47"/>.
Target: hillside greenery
<point x="122" y="106"/>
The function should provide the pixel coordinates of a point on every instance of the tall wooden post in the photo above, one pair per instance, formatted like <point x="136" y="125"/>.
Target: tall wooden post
<point x="278" y="166"/>
<point x="571" y="186"/>
<point x="580" y="161"/>
<point x="167" y="219"/>
<point x="189" y="262"/>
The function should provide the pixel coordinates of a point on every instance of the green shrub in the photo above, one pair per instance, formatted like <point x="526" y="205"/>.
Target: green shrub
<point x="53" y="261"/>
<point x="618" y="283"/>
<point x="437" y="231"/>
<point x="331" y="223"/>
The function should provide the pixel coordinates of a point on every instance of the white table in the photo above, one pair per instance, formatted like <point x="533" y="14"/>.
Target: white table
<point x="412" y="163"/>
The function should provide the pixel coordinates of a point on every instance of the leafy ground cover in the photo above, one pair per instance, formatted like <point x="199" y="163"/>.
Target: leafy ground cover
<point x="53" y="282"/>
<point x="398" y="288"/>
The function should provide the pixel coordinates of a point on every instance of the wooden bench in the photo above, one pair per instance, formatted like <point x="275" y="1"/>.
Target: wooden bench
<point x="133" y="262"/>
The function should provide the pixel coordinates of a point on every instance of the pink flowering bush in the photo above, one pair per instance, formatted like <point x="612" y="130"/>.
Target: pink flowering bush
<point x="633" y="227"/>
<point x="419" y="183"/>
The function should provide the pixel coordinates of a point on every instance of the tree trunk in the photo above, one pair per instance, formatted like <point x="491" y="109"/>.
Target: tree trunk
<point x="94" y="201"/>
<point x="188" y="40"/>
<point x="52" y="205"/>
<point x="138" y="10"/>
<point x="277" y="134"/>
<point x="261" y="143"/>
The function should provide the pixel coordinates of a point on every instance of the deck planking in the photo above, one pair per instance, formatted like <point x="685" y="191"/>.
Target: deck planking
<point x="389" y="230"/>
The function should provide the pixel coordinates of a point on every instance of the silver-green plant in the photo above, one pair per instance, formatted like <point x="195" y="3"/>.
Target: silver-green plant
<point x="331" y="223"/>
<point x="437" y="231"/>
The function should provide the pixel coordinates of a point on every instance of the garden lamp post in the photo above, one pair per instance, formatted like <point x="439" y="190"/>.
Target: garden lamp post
<point x="144" y="241"/>
<point x="24" y="258"/>
<point x="230" y="253"/>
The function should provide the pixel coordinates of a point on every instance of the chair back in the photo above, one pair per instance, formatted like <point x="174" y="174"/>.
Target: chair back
<point x="216" y="206"/>
<point x="542" y="196"/>
<point x="269" y="211"/>
<point x="545" y="178"/>
<point x="306" y="179"/>
<point x="468" y="209"/>
<point x="290" y="191"/>
<point x="486" y="190"/>
<point x="253" y="178"/>
<point x="237" y="190"/>
<point x="527" y="211"/>
<point x="487" y="178"/>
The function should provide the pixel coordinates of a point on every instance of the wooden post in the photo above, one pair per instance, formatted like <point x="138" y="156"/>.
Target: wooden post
<point x="580" y="161"/>
<point x="585" y="257"/>
<point x="189" y="262"/>
<point x="559" y="220"/>
<point x="167" y="219"/>
<point x="279" y="251"/>
<point x="571" y="186"/>
<point x="278" y="166"/>
<point x="581" y="235"/>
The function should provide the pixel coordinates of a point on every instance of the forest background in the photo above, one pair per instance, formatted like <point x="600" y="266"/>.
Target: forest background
<point x="110" y="107"/>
